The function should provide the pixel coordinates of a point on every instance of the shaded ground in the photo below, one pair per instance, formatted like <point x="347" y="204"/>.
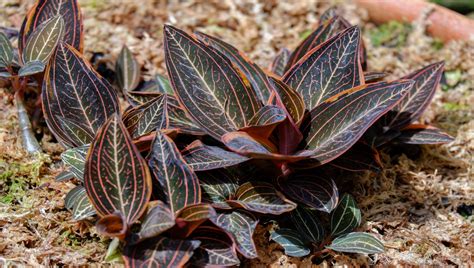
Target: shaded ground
<point x="415" y="205"/>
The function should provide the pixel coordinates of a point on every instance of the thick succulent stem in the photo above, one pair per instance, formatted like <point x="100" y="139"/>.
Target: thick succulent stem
<point x="29" y="140"/>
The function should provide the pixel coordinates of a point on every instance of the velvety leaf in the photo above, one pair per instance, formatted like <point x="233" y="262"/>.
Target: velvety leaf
<point x="291" y="242"/>
<point x="179" y="183"/>
<point x="75" y="130"/>
<point x="160" y="252"/>
<point x="242" y="143"/>
<point x="164" y="85"/>
<point x="180" y="121"/>
<point x="75" y="159"/>
<point x="5" y="74"/>
<point x="6" y="51"/>
<point x="328" y="14"/>
<point x="240" y="225"/>
<point x="289" y="135"/>
<point x="190" y="217"/>
<point x="311" y="190"/>
<point x="31" y="68"/>
<point x="127" y="70"/>
<point x="323" y="32"/>
<point x="43" y="40"/>
<point x="73" y="90"/>
<point x="78" y="202"/>
<point x="280" y="61"/>
<point x="422" y="134"/>
<point x="412" y="105"/>
<point x="255" y="75"/>
<point x="44" y="10"/>
<point x="204" y="157"/>
<point x="64" y="176"/>
<point x="335" y="125"/>
<point x="346" y="217"/>
<point x="158" y="220"/>
<point x="360" y="157"/>
<point x="327" y="69"/>
<point x="265" y="121"/>
<point x="307" y="223"/>
<point x="207" y="85"/>
<point x="288" y="99"/>
<point x="116" y="177"/>
<point x="374" y="76"/>
<point x="261" y="197"/>
<point x="357" y="243"/>
<point x="137" y="98"/>
<point x="148" y="117"/>
<point x="218" y="185"/>
<point x="216" y="249"/>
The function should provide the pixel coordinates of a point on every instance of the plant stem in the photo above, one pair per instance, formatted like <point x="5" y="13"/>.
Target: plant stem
<point x="29" y="140"/>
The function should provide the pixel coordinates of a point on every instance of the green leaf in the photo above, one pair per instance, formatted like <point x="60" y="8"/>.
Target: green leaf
<point x="31" y="68"/>
<point x="5" y="75"/>
<point x="255" y="75"/>
<point x="206" y="84"/>
<point x="413" y="104"/>
<point x="261" y="197"/>
<point x="73" y="90"/>
<point x="327" y="69"/>
<point x="201" y="157"/>
<point x="325" y="30"/>
<point x="216" y="249"/>
<point x="357" y="243"/>
<point x="46" y="9"/>
<point x="218" y="185"/>
<point x="116" y="176"/>
<point x="311" y="190"/>
<point x="6" y="51"/>
<point x="148" y="117"/>
<point x="78" y="202"/>
<point x="43" y="40"/>
<point x="280" y="61"/>
<point x="240" y="225"/>
<point x="127" y="70"/>
<point x="64" y="176"/>
<point x="75" y="159"/>
<point x="335" y="125"/>
<point x="422" y="134"/>
<point x="291" y="242"/>
<point x="346" y="217"/>
<point x="160" y="252"/>
<point x="158" y="220"/>
<point x="180" y="184"/>
<point x="307" y="223"/>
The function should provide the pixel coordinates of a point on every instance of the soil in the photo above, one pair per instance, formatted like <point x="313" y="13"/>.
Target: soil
<point x="420" y="205"/>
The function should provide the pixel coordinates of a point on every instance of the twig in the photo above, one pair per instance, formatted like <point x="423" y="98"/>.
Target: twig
<point x="29" y="140"/>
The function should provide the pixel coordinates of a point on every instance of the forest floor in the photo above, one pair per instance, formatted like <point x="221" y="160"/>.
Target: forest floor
<point x="420" y="205"/>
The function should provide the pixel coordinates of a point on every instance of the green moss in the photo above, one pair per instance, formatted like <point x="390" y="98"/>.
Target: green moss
<point x="451" y="106"/>
<point x="305" y="34"/>
<point x="392" y="34"/>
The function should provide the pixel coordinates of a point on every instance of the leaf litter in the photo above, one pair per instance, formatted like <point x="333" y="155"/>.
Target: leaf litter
<point x="412" y="204"/>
